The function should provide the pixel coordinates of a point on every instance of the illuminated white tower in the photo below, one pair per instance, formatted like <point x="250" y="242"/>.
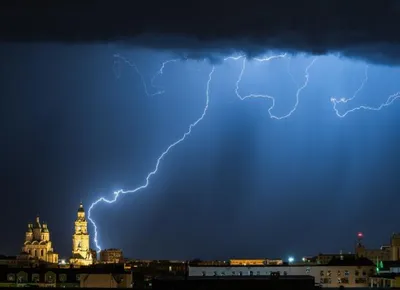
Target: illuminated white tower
<point x="81" y="254"/>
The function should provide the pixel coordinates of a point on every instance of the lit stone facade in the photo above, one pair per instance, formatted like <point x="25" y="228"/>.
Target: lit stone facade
<point x="255" y="262"/>
<point x="81" y="252"/>
<point x="38" y="244"/>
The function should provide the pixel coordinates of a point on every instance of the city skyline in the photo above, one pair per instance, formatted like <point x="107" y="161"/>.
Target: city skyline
<point x="383" y="252"/>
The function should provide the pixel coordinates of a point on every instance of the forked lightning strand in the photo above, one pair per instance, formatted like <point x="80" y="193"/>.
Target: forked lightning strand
<point x="268" y="96"/>
<point x="119" y="192"/>
<point x="118" y="59"/>
<point x="159" y="73"/>
<point x="336" y="101"/>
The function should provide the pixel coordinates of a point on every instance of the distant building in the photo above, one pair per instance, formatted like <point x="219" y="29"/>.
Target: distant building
<point x="106" y="280"/>
<point x="81" y="252"/>
<point x="38" y="244"/>
<point x="347" y="272"/>
<point x="255" y="262"/>
<point x="388" y="275"/>
<point x="94" y="256"/>
<point x="199" y="262"/>
<point x="323" y="259"/>
<point x="8" y="260"/>
<point x="244" y="262"/>
<point x="389" y="252"/>
<point x="308" y="260"/>
<point x="111" y="256"/>
<point x="273" y="262"/>
<point x="395" y="245"/>
<point x="158" y="267"/>
<point x="389" y="280"/>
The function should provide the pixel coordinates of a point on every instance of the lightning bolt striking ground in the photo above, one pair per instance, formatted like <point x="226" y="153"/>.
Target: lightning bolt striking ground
<point x="336" y="101"/>
<point x="160" y="158"/>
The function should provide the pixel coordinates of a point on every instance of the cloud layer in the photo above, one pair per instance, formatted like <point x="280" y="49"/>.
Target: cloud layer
<point x="196" y="29"/>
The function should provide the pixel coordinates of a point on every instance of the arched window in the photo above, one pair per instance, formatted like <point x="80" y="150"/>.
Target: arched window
<point x="50" y="277"/>
<point x="63" y="277"/>
<point x="35" y="278"/>
<point x="22" y="277"/>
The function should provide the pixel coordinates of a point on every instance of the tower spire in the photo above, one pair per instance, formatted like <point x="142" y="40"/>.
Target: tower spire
<point x="81" y="209"/>
<point x="81" y="253"/>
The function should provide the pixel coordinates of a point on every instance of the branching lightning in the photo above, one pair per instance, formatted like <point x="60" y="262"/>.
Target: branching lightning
<point x="336" y="101"/>
<point x="300" y="88"/>
<point x="307" y="77"/>
<point x="118" y="59"/>
<point x="160" y="158"/>
<point x="159" y="73"/>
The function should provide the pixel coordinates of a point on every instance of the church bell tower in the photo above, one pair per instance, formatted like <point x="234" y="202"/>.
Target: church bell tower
<point x="81" y="253"/>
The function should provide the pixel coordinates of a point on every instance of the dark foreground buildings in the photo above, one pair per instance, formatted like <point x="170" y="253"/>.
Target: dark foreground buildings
<point x="84" y="277"/>
<point x="239" y="282"/>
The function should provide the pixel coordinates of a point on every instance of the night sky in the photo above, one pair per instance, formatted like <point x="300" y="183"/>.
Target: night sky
<point x="78" y="124"/>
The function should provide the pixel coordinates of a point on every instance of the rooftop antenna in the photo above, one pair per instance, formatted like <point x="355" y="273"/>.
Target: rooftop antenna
<point x="360" y="236"/>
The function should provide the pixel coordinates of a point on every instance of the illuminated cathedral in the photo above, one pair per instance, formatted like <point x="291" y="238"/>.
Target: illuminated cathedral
<point x="38" y="244"/>
<point x="81" y="252"/>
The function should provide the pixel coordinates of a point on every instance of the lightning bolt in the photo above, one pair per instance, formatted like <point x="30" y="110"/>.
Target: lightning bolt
<point x="160" y="158"/>
<point x="336" y="101"/>
<point x="159" y="73"/>
<point x="301" y="88"/>
<point x="243" y="58"/>
<point x="117" y="61"/>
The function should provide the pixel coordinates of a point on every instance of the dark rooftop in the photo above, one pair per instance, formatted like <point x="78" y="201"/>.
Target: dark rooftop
<point x="346" y="261"/>
<point x="4" y="257"/>
<point x="386" y="275"/>
<point x="351" y="262"/>
<point x="390" y="264"/>
<point x="258" y="277"/>
<point x="43" y="269"/>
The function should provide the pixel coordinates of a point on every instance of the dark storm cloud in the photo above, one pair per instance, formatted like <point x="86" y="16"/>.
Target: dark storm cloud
<point x="195" y="29"/>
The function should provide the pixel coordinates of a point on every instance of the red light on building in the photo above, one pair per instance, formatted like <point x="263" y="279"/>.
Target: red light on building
<point x="360" y="235"/>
